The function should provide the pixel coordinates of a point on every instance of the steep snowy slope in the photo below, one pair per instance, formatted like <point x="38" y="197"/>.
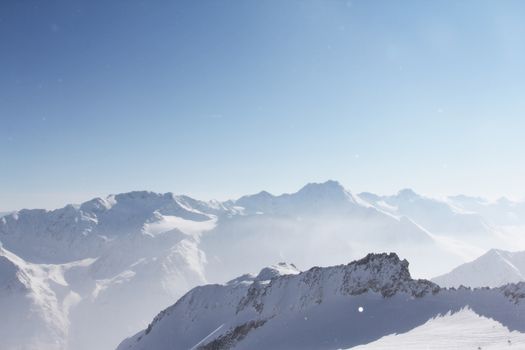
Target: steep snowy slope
<point x="34" y="301"/>
<point x="323" y="308"/>
<point x="493" y="269"/>
<point x="114" y="304"/>
<point x="137" y="243"/>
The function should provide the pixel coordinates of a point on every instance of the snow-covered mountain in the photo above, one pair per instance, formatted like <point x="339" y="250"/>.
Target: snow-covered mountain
<point x="322" y="224"/>
<point x="111" y="252"/>
<point x="493" y="269"/>
<point x="500" y="212"/>
<point x="313" y="198"/>
<point x="333" y="308"/>
<point x="76" y="232"/>
<point x="107" y="254"/>
<point x="466" y="225"/>
<point x="437" y="216"/>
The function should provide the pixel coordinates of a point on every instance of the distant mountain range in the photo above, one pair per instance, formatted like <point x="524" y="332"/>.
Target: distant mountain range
<point x="81" y="267"/>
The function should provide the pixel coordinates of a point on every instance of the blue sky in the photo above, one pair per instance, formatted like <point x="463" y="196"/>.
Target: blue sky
<point x="220" y="98"/>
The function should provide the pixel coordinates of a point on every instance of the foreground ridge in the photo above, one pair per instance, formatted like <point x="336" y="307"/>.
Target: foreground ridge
<point x="328" y="307"/>
<point x="233" y="311"/>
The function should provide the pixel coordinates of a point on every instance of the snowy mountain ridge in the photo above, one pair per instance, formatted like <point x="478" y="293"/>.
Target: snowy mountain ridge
<point x="330" y="195"/>
<point x="383" y="273"/>
<point x="74" y="233"/>
<point x="331" y="303"/>
<point x="437" y="216"/>
<point x="133" y="243"/>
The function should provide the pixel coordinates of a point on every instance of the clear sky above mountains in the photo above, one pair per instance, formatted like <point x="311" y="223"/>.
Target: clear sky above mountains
<point x="222" y="98"/>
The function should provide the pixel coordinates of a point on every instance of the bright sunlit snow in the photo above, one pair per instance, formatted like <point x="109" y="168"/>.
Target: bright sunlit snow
<point x="458" y="331"/>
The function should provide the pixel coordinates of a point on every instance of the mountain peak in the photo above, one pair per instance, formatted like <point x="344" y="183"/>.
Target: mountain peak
<point x="407" y="193"/>
<point x="261" y="196"/>
<point x="330" y="185"/>
<point x="278" y="270"/>
<point x="331" y="190"/>
<point x="381" y="258"/>
<point x="143" y="195"/>
<point x="380" y="272"/>
<point x="96" y="205"/>
<point x="313" y="196"/>
<point x="264" y="194"/>
<point x="496" y="252"/>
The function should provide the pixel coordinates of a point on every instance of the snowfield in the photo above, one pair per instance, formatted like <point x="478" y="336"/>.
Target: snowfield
<point x="453" y="331"/>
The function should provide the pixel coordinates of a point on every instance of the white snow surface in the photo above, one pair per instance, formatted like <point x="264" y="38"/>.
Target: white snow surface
<point x="336" y="307"/>
<point x="35" y="301"/>
<point x="453" y="331"/>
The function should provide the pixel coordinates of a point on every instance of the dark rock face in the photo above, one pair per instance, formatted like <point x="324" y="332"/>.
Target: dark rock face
<point x="235" y="335"/>
<point x="514" y="291"/>
<point x="385" y="274"/>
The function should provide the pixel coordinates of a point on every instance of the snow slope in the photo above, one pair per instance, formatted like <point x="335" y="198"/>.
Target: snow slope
<point x="453" y="331"/>
<point x="493" y="269"/>
<point x="136" y="243"/>
<point x="35" y="301"/>
<point x="326" y="308"/>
